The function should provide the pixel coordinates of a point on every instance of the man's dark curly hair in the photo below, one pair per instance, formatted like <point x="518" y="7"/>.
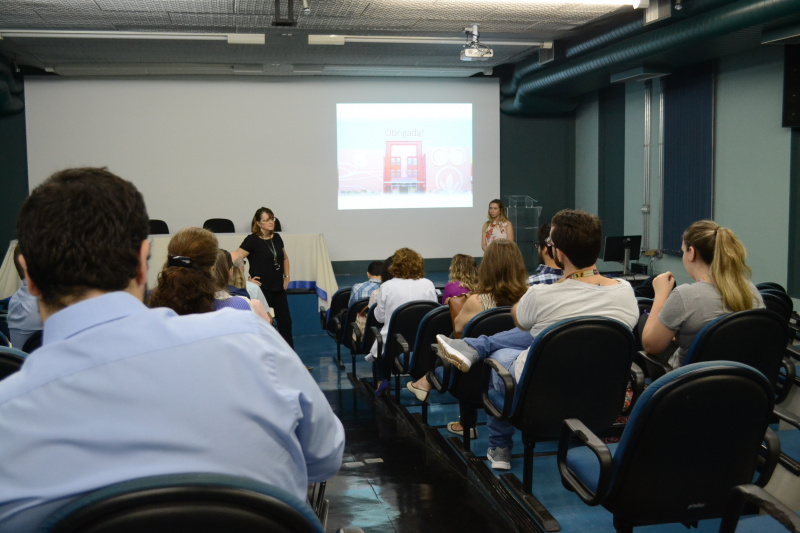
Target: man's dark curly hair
<point x="82" y="230"/>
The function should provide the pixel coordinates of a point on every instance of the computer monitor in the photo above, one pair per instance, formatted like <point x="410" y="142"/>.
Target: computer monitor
<point x="622" y="250"/>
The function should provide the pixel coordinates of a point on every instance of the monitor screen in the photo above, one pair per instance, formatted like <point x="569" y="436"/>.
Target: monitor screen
<point x="614" y="249"/>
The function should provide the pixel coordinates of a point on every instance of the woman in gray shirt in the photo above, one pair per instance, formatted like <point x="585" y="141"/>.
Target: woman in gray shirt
<point x="715" y="257"/>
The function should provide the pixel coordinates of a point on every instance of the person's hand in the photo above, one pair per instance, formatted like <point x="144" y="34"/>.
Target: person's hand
<point x="255" y="280"/>
<point x="663" y="283"/>
<point x="285" y="283"/>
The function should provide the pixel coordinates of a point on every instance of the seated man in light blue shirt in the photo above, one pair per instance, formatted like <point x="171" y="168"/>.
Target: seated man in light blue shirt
<point x="365" y="289"/>
<point x="23" y="310"/>
<point x="119" y="391"/>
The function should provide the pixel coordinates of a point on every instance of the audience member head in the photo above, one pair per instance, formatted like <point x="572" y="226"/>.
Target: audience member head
<point x="407" y="264"/>
<point x="255" y="227"/>
<point x="187" y="282"/>
<point x="83" y="230"/>
<point x="502" y="273"/>
<point x="724" y="254"/>
<point x="237" y="279"/>
<point x="17" y="263"/>
<point x="375" y="269"/>
<point x="385" y="274"/>
<point x="578" y="235"/>
<point x="545" y="249"/>
<point x="223" y="269"/>
<point x="464" y="270"/>
<point x="497" y="211"/>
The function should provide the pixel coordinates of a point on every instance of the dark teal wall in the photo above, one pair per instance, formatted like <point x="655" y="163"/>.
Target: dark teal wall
<point x="537" y="158"/>
<point x="611" y="160"/>
<point x="13" y="173"/>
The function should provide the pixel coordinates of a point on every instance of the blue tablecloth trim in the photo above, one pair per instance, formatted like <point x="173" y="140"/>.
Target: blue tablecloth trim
<point x="321" y="294"/>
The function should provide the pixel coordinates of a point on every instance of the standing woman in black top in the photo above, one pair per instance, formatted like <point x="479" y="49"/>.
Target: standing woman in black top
<point x="269" y="267"/>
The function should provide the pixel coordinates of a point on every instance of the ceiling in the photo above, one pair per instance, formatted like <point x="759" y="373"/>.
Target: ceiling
<point x="286" y="50"/>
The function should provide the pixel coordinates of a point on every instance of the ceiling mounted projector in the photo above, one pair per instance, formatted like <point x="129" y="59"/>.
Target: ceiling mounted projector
<point x="474" y="50"/>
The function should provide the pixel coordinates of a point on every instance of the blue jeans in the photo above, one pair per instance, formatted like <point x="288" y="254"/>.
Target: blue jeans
<point x="504" y="348"/>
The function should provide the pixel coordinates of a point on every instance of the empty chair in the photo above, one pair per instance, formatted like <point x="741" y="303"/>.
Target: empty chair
<point x="186" y="502"/>
<point x="11" y="360"/>
<point x="158" y="227"/>
<point x="333" y="320"/>
<point x="401" y="336"/>
<point x="219" y="225"/>
<point x="277" y="225"/>
<point x="694" y="434"/>
<point x="576" y="368"/>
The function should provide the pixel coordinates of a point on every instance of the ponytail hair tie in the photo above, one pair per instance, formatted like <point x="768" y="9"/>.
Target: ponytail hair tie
<point x="180" y="261"/>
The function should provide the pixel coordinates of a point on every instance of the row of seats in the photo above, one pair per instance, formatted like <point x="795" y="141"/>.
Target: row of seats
<point x="729" y="403"/>
<point x="216" y="225"/>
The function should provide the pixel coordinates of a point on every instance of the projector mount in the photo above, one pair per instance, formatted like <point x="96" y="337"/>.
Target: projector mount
<point x="474" y="50"/>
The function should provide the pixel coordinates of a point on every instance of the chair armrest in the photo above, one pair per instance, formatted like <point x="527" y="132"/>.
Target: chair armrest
<point x="574" y="427"/>
<point x="773" y="452"/>
<point x="323" y="317"/>
<point x="401" y="367"/>
<point x="793" y="351"/>
<point x="650" y="359"/>
<point x="744" y="494"/>
<point x="379" y="340"/>
<point x="508" y="392"/>
<point x="447" y="368"/>
<point x="637" y="385"/>
<point x="782" y="389"/>
<point x="786" y="416"/>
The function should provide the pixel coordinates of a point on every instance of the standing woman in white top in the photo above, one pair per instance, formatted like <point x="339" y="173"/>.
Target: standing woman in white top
<point x="498" y="226"/>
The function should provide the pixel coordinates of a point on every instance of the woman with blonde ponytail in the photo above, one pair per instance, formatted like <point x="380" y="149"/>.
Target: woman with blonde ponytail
<point x="715" y="258"/>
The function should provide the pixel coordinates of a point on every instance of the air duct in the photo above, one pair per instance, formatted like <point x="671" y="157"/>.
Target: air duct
<point x="727" y="19"/>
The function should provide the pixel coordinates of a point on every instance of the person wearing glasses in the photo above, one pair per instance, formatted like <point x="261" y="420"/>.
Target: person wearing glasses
<point x="269" y="267"/>
<point x="548" y="272"/>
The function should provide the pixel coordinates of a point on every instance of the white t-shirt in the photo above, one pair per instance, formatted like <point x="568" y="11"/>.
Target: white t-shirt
<point x="396" y="292"/>
<point x="544" y="305"/>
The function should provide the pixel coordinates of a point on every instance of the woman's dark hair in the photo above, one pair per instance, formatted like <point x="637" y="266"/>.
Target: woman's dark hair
<point x="386" y="275"/>
<point x="254" y="227"/>
<point x="222" y="269"/>
<point x="502" y="272"/>
<point x="188" y="288"/>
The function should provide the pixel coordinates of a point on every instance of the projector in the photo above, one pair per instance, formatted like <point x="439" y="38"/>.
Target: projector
<point x="476" y="53"/>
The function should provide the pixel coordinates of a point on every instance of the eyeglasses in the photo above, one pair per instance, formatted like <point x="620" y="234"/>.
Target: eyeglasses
<point x="268" y="219"/>
<point x="549" y="242"/>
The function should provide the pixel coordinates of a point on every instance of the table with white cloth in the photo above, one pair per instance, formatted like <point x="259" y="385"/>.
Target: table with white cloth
<point x="311" y="267"/>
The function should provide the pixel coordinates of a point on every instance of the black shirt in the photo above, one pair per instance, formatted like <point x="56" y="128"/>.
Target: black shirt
<point x="264" y="255"/>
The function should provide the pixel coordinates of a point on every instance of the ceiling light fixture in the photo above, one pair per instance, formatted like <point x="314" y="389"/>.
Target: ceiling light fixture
<point x="400" y="39"/>
<point x="231" y="38"/>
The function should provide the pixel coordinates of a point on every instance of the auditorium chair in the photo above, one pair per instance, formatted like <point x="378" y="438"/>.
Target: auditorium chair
<point x="200" y="502"/>
<point x="333" y="320"/>
<point x="423" y="357"/>
<point x="694" y="434"/>
<point x="348" y="323"/>
<point x="401" y="337"/>
<point x="466" y="386"/>
<point x="576" y="368"/>
<point x="11" y="360"/>
<point x="365" y="339"/>
<point x="158" y="227"/>
<point x="756" y="337"/>
<point x="778" y="518"/>
<point x="219" y="225"/>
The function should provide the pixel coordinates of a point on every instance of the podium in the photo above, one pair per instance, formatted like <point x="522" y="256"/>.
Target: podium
<point x="523" y="213"/>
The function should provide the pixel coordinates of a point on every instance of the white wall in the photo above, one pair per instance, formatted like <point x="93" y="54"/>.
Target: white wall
<point x="203" y="148"/>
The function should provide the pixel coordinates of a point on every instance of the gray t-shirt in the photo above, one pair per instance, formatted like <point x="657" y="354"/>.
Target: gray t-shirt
<point x="544" y="305"/>
<point x="690" y="307"/>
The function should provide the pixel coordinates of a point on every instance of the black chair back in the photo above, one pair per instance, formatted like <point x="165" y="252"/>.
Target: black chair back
<point x="11" y="360"/>
<point x="186" y="502"/>
<point x="402" y="336"/>
<point x="336" y="312"/>
<point x="158" y="227"/>
<point x="423" y="358"/>
<point x="33" y="343"/>
<point x="277" y="225"/>
<point x="694" y="435"/>
<point x="778" y="301"/>
<point x="347" y="329"/>
<point x="771" y="285"/>
<point x="756" y="337"/>
<point x="219" y="225"/>
<point x="577" y="368"/>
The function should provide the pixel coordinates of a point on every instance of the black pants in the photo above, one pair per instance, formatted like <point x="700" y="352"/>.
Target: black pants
<point x="279" y="302"/>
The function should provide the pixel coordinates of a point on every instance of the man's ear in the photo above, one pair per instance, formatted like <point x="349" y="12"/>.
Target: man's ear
<point x="32" y="287"/>
<point x="141" y="270"/>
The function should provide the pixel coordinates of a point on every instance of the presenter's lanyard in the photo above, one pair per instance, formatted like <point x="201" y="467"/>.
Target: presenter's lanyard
<point x="584" y="274"/>
<point x="271" y="245"/>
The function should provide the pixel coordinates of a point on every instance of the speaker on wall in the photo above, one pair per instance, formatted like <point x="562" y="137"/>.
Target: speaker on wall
<point x="791" y="86"/>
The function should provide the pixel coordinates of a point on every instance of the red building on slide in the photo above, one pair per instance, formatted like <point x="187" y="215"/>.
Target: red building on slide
<point x="404" y="167"/>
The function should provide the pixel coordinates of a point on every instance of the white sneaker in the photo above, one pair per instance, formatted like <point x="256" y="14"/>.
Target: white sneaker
<point x="462" y="357"/>
<point x="500" y="458"/>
